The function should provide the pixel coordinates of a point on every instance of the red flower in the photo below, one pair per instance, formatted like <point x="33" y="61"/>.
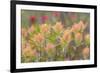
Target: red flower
<point x="32" y="19"/>
<point x="44" y="18"/>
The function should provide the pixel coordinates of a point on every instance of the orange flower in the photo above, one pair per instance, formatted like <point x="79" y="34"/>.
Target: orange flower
<point x="86" y="52"/>
<point x="49" y="46"/>
<point x="78" y="26"/>
<point x="58" y="26"/>
<point x="45" y="28"/>
<point x="66" y="36"/>
<point x="28" y="51"/>
<point x="38" y="38"/>
<point x="75" y="27"/>
<point x="78" y="36"/>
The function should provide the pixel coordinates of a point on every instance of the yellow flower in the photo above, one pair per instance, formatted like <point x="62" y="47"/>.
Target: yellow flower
<point x="44" y="28"/>
<point x="58" y="26"/>
<point x="38" y="37"/>
<point x="86" y="52"/>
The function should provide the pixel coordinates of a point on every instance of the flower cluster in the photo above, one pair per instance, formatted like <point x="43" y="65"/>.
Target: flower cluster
<point x="46" y="42"/>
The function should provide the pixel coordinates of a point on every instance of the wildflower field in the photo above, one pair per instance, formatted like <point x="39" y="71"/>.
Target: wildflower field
<point x="54" y="36"/>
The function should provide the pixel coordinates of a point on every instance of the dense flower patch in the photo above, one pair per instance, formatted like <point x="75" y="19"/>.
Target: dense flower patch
<point x="46" y="42"/>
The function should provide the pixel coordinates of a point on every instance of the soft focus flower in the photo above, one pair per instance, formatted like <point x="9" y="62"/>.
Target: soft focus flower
<point x="38" y="37"/>
<point x="49" y="46"/>
<point x="44" y="18"/>
<point x="31" y="29"/>
<point x="32" y="19"/>
<point x="78" y="36"/>
<point x="66" y="36"/>
<point x="78" y="26"/>
<point x="29" y="53"/>
<point x="45" y="28"/>
<point x="58" y="26"/>
<point x="86" y="52"/>
<point x="75" y="27"/>
<point x="45" y="42"/>
<point x="28" y="50"/>
<point x="24" y="32"/>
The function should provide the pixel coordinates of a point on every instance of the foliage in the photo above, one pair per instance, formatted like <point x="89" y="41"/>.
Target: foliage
<point x="56" y="41"/>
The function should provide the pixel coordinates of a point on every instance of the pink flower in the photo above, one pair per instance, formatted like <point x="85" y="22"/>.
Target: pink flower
<point x="44" y="18"/>
<point x="58" y="26"/>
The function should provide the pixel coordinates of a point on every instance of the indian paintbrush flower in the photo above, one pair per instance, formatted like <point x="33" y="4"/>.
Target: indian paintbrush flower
<point x="45" y="28"/>
<point x="78" y="36"/>
<point x="38" y="37"/>
<point x="49" y="46"/>
<point x="67" y="35"/>
<point x="58" y="27"/>
<point x="78" y="27"/>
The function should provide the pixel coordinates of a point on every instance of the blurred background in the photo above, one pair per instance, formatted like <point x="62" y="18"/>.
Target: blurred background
<point x="51" y="17"/>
